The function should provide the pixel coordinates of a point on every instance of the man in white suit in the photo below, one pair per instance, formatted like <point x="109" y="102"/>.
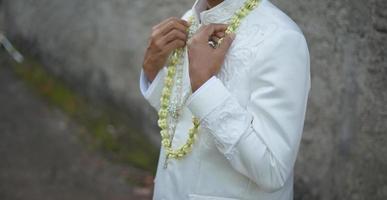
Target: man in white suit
<point x="249" y="93"/>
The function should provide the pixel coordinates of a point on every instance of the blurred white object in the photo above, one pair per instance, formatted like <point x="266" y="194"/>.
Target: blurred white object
<point x="11" y="50"/>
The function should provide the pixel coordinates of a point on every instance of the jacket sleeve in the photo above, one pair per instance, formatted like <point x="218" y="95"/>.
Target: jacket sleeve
<point x="152" y="90"/>
<point x="261" y="139"/>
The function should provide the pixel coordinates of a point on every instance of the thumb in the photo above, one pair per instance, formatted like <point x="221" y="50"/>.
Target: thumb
<point x="226" y="42"/>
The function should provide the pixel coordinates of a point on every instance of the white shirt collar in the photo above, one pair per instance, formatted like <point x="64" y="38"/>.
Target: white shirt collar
<point x="221" y="13"/>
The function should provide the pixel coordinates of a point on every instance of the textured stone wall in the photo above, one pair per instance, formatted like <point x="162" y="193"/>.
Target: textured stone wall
<point x="97" y="46"/>
<point x="343" y="154"/>
<point x="1" y="16"/>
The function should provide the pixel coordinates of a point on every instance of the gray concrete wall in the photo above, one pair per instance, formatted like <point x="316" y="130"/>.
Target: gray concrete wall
<point x="343" y="154"/>
<point x="1" y="16"/>
<point x="98" y="45"/>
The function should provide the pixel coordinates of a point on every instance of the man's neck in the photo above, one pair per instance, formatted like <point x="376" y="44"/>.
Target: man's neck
<point x="213" y="3"/>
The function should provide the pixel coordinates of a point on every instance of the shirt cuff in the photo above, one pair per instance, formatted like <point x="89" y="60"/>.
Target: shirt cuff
<point x="144" y="83"/>
<point x="207" y="97"/>
<point x="147" y="88"/>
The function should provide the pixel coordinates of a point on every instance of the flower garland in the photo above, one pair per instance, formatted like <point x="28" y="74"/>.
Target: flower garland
<point x="174" y="61"/>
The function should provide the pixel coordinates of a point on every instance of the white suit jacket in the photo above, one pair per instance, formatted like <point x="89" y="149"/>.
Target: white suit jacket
<point x="252" y="112"/>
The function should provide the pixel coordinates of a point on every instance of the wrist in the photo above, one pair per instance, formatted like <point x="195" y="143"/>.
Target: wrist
<point x="194" y="87"/>
<point x="196" y="84"/>
<point x="198" y="76"/>
<point x="150" y="73"/>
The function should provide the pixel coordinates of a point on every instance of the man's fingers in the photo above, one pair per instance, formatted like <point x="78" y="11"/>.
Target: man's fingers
<point x="215" y="38"/>
<point x="173" y="35"/>
<point x="220" y="34"/>
<point x="173" y="45"/>
<point x="171" y="19"/>
<point x="208" y="30"/>
<point x="168" y="27"/>
<point x="173" y="25"/>
<point x="226" y="43"/>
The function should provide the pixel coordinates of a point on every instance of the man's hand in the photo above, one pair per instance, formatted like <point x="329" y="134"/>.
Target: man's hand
<point x="204" y="60"/>
<point x="167" y="36"/>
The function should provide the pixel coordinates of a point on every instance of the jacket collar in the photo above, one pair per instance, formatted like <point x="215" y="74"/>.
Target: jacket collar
<point x="221" y="13"/>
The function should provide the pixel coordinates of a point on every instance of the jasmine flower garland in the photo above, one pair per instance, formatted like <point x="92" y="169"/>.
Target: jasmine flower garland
<point x="165" y="108"/>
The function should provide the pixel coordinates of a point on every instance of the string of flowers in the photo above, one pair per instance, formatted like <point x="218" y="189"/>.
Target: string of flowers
<point x="174" y="61"/>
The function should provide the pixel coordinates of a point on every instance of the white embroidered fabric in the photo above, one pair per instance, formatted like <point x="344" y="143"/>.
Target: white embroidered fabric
<point x="226" y="122"/>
